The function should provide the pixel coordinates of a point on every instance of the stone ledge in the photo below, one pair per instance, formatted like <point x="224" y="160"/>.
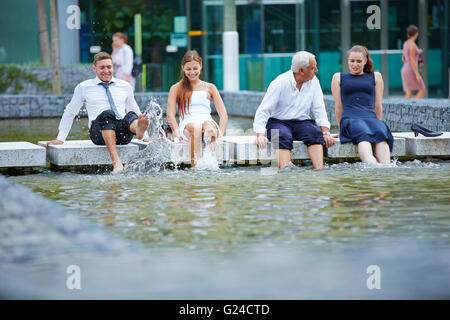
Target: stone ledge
<point x="243" y="148"/>
<point x="425" y="146"/>
<point x="21" y="154"/>
<point x="85" y="152"/>
<point x="349" y="150"/>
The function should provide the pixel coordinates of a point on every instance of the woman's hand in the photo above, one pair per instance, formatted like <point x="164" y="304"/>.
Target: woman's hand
<point x="418" y="77"/>
<point x="177" y="135"/>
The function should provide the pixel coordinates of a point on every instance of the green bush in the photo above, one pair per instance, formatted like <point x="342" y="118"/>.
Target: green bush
<point x="12" y="76"/>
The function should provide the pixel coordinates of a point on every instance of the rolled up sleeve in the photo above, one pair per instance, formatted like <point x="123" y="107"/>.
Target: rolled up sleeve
<point x="266" y="107"/>
<point x="70" y="112"/>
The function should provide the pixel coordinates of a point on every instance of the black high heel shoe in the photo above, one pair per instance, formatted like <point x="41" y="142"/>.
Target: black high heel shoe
<point x="424" y="131"/>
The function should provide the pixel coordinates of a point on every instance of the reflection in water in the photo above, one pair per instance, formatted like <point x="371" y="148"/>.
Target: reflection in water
<point x="346" y="205"/>
<point x="232" y="233"/>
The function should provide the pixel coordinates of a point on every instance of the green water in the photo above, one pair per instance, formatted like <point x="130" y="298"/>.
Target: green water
<point x="231" y="208"/>
<point x="226" y="210"/>
<point x="34" y="130"/>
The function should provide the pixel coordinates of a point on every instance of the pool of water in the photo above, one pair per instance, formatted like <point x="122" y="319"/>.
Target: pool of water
<point x="228" y="209"/>
<point x="233" y="232"/>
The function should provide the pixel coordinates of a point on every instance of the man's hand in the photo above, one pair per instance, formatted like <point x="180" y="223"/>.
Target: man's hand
<point x="261" y="140"/>
<point x="329" y="140"/>
<point x="53" y="142"/>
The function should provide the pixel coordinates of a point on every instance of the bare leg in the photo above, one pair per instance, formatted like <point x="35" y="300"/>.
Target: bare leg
<point x="408" y="94"/>
<point x="315" y="153"/>
<point x="382" y="152"/>
<point x="365" y="152"/>
<point x="139" y="125"/>
<point x="284" y="157"/>
<point x="194" y="132"/>
<point x="110" y="140"/>
<point x="420" y="94"/>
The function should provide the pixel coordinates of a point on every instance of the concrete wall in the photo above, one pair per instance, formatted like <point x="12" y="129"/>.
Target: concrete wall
<point x="399" y="114"/>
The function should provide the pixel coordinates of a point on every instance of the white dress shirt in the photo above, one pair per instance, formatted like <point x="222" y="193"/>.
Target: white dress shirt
<point x="284" y="101"/>
<point x="93" y="96"/>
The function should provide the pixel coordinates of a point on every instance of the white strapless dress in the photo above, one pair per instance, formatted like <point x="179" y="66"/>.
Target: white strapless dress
<point x="199" y="111"/>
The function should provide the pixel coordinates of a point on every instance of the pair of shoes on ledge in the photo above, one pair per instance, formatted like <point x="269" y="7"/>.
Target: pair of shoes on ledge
<point x="424" y="131"/>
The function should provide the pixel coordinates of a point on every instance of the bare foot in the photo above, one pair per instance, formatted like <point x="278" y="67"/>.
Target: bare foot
<point x="142" y="125"/>
<point x="117" y="167"/>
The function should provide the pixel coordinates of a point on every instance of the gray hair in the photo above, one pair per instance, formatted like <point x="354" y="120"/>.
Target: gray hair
<point x="301" y="60"/>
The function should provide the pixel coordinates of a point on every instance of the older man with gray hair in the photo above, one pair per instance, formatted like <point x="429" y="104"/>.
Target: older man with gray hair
<point x="286" y="110"/>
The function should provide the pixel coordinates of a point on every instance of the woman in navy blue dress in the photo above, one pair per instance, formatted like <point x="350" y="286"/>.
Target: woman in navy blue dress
<point x="357" y="100"/>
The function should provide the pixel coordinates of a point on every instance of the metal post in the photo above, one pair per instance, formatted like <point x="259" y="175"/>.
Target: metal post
<point x="302" y="27"/>
<point x="138" y="46"/>
<point x="423" y="39"/>
<point x="188" y="18"/>
<point x="345" y="32"/>
<point x="230" y="48"/>
<point x="384" y="41"/>
<point x="205" y="43"/>
<point x="445" y="48"/>
<point x="263" y="45"/>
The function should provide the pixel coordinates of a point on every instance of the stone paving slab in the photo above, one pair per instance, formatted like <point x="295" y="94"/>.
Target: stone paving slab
<point x="243" y="148"/>
<point x="425" y="146"/>
<point x="180" y="152"/>
<point x="85" y="152"/>
<point x="349" y="150"/>
<point x="21" y="154"/>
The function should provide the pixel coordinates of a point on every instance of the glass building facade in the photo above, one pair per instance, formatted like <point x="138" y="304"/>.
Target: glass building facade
<point x="270" y="32"/>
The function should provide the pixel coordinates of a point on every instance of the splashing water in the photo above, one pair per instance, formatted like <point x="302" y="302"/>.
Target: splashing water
<point x="157" y="153"/>
<point x="208" y="160"/>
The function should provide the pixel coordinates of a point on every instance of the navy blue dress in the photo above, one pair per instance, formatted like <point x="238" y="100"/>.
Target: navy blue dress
<point x="359" y="122"/>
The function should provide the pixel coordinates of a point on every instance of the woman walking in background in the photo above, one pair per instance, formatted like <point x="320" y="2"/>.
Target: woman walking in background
<point x="411" y="57"/>
<point x="122" y="55"/>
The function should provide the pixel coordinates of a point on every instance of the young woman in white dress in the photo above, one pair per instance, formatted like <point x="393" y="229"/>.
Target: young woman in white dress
<point x="191" y="97"/>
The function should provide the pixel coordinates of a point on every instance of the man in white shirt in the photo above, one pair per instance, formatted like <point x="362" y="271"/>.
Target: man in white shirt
<point x="114" y="116"/>
<point x="286" y="109"/>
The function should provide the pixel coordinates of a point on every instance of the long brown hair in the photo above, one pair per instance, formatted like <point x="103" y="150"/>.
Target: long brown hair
<point x="411" y="31"/>
<point x="185" y="89"/>
<point x="368" y="67"/>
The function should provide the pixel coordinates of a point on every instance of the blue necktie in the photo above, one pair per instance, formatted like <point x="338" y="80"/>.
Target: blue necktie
<point x="110" y="99"/>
